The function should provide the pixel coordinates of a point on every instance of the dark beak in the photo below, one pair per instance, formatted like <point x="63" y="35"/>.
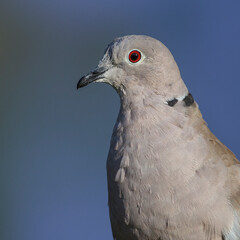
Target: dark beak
<point x="91" y="77"/>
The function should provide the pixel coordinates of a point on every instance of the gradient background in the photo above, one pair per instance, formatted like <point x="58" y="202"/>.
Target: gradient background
<point x="54" y="139"/>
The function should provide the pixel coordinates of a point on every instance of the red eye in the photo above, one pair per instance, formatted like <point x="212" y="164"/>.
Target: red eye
<point x="134" y="56"/>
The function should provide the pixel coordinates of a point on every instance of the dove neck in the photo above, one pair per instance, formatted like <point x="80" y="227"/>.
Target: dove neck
<point x="151" y="108"/>
<point x="138" y="95"/>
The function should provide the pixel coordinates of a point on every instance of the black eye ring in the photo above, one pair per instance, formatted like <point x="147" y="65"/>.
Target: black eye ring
<point x="134" y="56"/>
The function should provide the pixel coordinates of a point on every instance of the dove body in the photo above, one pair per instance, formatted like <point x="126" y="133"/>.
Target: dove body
<point x="157" y="184"/>
<point x="169" y="177"/>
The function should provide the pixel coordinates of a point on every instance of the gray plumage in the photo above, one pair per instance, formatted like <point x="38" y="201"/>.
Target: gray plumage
<point x="169" y="177"/>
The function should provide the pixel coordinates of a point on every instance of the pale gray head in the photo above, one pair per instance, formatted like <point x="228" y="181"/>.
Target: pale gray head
<point x="137" y="64"/>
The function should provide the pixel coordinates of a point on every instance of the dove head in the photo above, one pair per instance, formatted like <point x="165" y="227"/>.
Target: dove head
<point x="136" y="65"/>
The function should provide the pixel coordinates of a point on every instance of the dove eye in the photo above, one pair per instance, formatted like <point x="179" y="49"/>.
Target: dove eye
<point x="134" y="56"/>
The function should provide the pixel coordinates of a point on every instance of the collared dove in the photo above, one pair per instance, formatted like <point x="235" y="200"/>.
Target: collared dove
<point x="169" y="177"/>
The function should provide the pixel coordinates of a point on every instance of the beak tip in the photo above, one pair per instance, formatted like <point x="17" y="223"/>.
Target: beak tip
<point x="81" y="83"/>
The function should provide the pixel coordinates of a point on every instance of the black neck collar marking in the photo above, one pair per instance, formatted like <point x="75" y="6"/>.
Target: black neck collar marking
<point x="188" y="100"/>
<point x="171" y="103"/>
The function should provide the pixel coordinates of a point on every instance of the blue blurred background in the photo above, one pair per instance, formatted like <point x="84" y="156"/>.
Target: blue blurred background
<point x="54" y="139"/>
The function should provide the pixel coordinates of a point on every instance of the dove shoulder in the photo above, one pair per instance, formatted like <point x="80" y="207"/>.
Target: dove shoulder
<point x="219" y="151"/>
